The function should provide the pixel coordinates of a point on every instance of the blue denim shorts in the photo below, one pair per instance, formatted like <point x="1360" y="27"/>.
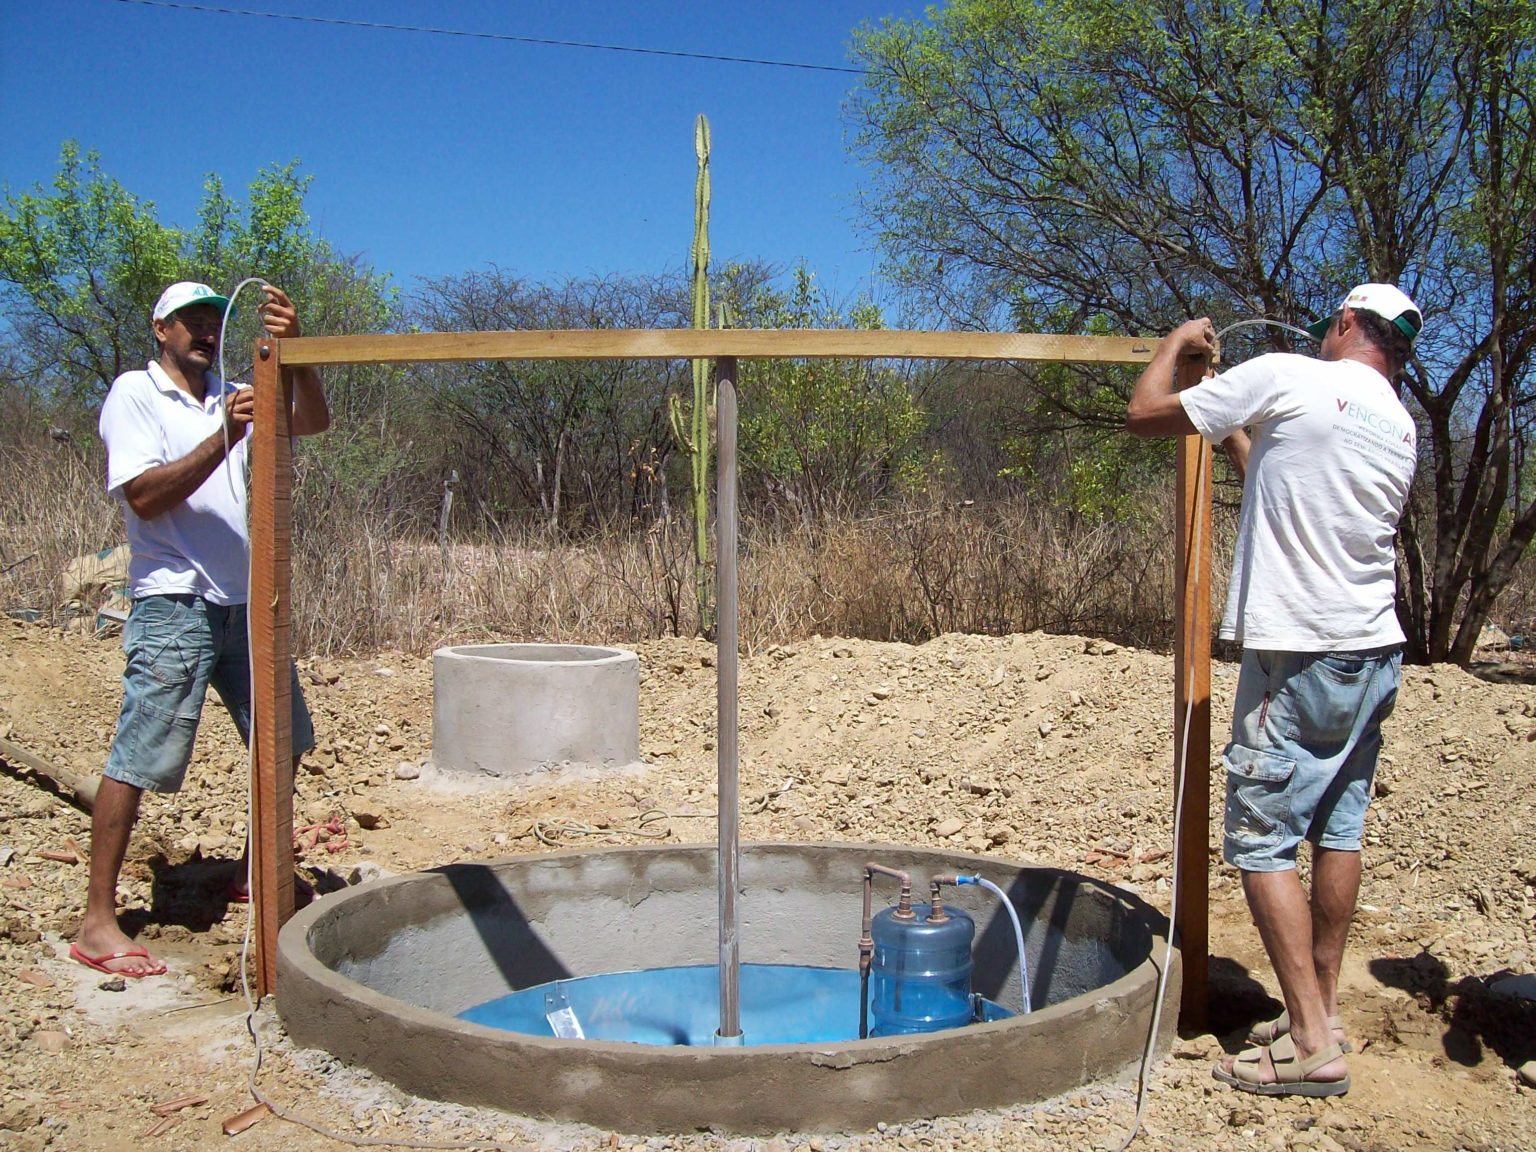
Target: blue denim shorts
<point x="177" y="646"/>
<point x="1306" y="730"/>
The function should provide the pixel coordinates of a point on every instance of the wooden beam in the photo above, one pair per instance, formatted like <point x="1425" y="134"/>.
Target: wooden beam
<point x="271" y="615"/>
<point x="691" y="344"/>
<point x="84" y="787"/>
<point x="1192" y="695"/>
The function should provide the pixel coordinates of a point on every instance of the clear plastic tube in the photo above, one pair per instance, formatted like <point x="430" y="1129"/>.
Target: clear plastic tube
<point x="1270" y="323"/>
<point x="223" y="377"/>
<point x="1018" y="934"/>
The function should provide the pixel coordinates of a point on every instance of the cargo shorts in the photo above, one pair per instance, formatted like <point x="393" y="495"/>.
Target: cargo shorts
<point x="1306" y="731"/>
<point x="177" y="645"/>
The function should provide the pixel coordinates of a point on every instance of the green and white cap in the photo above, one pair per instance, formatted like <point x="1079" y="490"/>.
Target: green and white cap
<point x="184" y="293"/>
<point x="1384" y="300"/>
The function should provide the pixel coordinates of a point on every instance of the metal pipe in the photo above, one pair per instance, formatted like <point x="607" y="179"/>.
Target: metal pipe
<point x="726" y="704"/>
<point x="936" y="914"/>
<point x="867" y="939"/>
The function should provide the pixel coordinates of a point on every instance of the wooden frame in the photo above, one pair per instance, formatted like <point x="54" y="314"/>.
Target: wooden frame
<point x="271" y="535"/>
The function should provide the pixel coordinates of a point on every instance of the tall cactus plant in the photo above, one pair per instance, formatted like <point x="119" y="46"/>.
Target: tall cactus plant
<point x="696" y="441"/>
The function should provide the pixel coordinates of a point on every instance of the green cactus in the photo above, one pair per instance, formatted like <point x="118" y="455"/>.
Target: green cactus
<point x="697" y="444"/>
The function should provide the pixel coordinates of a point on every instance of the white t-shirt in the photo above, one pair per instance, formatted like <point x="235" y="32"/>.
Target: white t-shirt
<point x="201" y="545"/>
<point x="1332" y="457"/>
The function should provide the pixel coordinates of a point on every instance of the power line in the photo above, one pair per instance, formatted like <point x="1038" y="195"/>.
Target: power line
<point x="501" y="36"/>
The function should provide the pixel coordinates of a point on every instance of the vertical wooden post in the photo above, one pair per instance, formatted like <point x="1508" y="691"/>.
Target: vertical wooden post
<point x="271" y="616"/>
<point x="1192" y="695"/>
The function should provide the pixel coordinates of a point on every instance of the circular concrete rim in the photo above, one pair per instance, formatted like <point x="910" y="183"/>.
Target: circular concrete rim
<point x="568" y="655"/>
<point x="760" y="1089"/>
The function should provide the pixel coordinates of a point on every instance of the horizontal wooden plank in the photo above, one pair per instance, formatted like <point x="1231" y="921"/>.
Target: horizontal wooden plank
<point x="687" y="344"/>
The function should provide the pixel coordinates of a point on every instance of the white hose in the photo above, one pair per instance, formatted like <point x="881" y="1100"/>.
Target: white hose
<point x="229" y="310"/>
<point x="251" y="916"/>
<point x="1018" y="935"/>
<point x="1271" y="323"/>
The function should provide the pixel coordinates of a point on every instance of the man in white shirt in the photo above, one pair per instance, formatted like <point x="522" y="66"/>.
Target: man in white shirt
<point x="176" y="451"/>
<point x="1312" y="601"/>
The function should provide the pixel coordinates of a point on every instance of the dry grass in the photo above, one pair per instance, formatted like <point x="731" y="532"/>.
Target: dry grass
<point x="53" y="508"/>
<point x="904" y="574"/>
<point x="365" y="580"/>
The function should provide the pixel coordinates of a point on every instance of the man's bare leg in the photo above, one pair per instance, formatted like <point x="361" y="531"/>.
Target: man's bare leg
<point x="1335" y="888"/>
<point x="112" y="820"/>
<point x="1283" y="917"/>
<point x="240" y="884"/>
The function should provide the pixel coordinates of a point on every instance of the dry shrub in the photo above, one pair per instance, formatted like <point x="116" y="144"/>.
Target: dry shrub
<point x="372" y="588"/>
<point x="53" y="508"/>
<point x="366" y="578"/>
<point x="918" y="571"/>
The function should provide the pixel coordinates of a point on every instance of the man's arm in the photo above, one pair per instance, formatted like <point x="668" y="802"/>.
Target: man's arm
<point x="1237" y="446"/>
<point x="1155" y="409"/>
<point x="280" y="318"/>
<point x="159" y="489"/>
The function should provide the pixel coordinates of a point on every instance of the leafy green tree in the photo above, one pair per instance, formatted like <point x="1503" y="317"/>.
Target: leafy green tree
<point x="824" y="435"/>
<point x="80" y="267"/>
<point x="82" y="263"/>
<point x="1052" y="164"/>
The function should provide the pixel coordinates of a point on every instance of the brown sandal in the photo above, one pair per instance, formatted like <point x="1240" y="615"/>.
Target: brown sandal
<point x="1269" y="1031"/>
<point x="1291" y="1074"/>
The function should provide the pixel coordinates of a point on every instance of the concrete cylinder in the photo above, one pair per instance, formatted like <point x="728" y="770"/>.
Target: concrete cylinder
<point x="515" y="709"/>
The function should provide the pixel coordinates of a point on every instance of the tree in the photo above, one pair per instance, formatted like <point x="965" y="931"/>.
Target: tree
<point x="556" y="434"/>
<point x="1059" y="163"/>
<point x="823" y="434"/>
<point x="82" y="263"/>
<point x="81" y="268"/>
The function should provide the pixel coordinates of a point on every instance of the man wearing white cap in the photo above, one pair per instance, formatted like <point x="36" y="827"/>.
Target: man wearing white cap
<point x="176" y="453"/>
<point x="1312" y="601"/>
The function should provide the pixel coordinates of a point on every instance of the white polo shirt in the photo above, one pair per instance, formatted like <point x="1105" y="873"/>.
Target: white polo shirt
<point x="1332" y="457"/>
<point x="200" y="546"/>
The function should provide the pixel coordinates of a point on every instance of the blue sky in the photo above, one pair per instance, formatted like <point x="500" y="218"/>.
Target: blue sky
<point x="431" y="155"/>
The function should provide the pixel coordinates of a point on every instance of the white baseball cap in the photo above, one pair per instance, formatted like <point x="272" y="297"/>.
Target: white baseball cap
<point x="184" y="293"/>
<point x="1384" y="300"/>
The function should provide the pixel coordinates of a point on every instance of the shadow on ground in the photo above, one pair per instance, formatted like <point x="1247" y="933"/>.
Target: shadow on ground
<point x="1476" y="1020"/>
<point x="1238" y="1002"/>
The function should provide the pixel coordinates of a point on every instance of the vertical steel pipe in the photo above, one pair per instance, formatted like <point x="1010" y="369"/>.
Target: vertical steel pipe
<point x="726" y="703"/>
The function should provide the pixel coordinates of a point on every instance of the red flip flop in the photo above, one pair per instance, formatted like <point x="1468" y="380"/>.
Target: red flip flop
<point x="238" y="893"/>
<point x="100" y="962"/>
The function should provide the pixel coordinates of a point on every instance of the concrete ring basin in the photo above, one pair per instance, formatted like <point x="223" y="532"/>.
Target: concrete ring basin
<point x="516" y="709"/>
<point x="377" y="975"/>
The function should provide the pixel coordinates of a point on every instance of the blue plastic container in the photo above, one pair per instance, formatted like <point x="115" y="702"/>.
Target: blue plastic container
<point x="920" y="978"/>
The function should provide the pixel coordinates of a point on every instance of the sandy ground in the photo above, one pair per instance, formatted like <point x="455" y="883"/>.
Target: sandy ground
<point x="1046" y="749"/>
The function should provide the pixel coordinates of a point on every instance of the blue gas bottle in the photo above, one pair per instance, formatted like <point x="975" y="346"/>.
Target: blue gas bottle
<point x="920" y="976"/>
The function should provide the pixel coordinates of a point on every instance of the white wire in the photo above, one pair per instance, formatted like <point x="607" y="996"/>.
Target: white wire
<point x="250" y="887"/>
<point x="1178" y="811"/>
<point x="250" y="734"/>
<point x="1183" y="764"/>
